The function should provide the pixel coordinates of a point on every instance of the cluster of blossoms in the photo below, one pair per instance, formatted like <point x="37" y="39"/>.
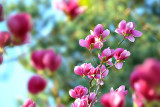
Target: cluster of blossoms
<point x="70" y="7"/>
<point x="95" y="41"/>
<point x="19" y="27"/>
<point x="145" y="81"/>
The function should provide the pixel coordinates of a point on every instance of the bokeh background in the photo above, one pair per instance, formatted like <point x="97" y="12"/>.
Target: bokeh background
<point x="52" y="29"/>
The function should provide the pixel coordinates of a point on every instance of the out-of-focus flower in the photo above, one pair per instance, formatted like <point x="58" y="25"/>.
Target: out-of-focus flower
<point x="114" y="98"/>
<point x="61" y="105"/>
<point x="29" y="103"/>
<point x="37" y="59"/>
<point x="71" y="8"/>
<point x="83" y="70"/>
<point x="20" y="26"/>
<point x="5" y="39"/>
<point x="106" y="56"/>
<point x="120" y="55"/>
<point x="128" y="30"/>
<point x="42" y="59"/>
<point x="80" y="103"/>
<point x="91" y="42"/>
<point x="78" y="91"/>
<point x="145" y="80"/>
<point x="100" y="32"/>
<point x="97" y="72"/>
<point x="1" y="59"/>
<point x="36" y="84"/>
<point x="1" y="13"/>
<point x="137" y="102"/>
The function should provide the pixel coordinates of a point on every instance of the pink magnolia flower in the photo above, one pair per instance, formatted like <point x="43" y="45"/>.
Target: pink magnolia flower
<point x="1" y="13"/>
<point x="29" y="103"/>
<point x="128" y="30"/>
<point x="5" y="39"/>
<point x="78" y="91"/>
<point x="20" y="26"/>
<point x="97" y="72"/>
<point x="91" y="98"/>
<point x="71" y="8"/>
<point x="145" y="80"/>
<point x="120" y="55"/>
<point x="106" y="56"/>
<point x="37" y="59"/>
<point x="114" y="98"/>
<point x="90" y="42"/>
<point x="83" y="70"/>
<point x="36" y="84"/>
<point x="43" y="59"/>
<point x="100" y="32"/>
<point x="51" y="60"/>
<point x="1" y="59"/>
<point x="80" y="103"/>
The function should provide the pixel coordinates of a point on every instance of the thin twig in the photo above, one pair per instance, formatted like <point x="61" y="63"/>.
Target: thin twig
<point x="93" y="58"/>
<point x="121" y="42"/>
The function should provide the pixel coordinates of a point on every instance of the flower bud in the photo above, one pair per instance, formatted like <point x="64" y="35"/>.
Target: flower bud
<point x="1" y="13"/>
<point x="5" y="39"/>
<point x="36" y="84"/>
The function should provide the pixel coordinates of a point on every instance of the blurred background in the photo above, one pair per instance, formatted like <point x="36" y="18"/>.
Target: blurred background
<point x="52" y="28"/>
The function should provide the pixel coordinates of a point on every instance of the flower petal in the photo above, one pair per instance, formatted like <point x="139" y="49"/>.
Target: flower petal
<point x="83" y="43"/>
<point x="105" y="33"/>
<point x="130" y="38"/>
<point x="136" y="33"/>
<point x="122" y="25"/>
<point x="119" y="65"/>
<point x="98" y="30"/>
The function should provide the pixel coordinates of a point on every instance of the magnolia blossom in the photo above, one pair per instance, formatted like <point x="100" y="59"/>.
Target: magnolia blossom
<point x="128" y="30"/>
<point x="91" y="42"/>
<point x="42" y="59"/>
<point x="1" y="59"/>
<point x="98" y="73"/>
<point x="83" y="70"/>
<point x="78" y="91"/>
<point x="106" y="56"/>
<point x="114" y="98"/>
<point x="120" y="55"/>
<point x="91" y="98"/>
<point x="71" y="8"/>
<point x="29" y="103"/>
<point x="36" y="84"/>
<point x="100" y="32"/>
<point x="1" y="13"/>
<point x="80" y="103"/>
<point x="20" y="26"/>
<point x="5" y="39"/>
<point x="145" y="80"/>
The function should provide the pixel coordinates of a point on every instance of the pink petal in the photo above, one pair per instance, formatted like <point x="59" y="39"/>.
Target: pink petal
<point x="130" y="38"/>
<point x="92" y="33"/>
<point x="118" y="31"/>
<point x="119" y="65"/>
<point x="136" y="33"/>
<point x="122" y="25"/>
<point x="130" y="25"/>
<point x="72" y="93"/>
<point x="83" y="43"/>
<point x="105" y="33"/>
<point x="109" y="63"/>
<point x="98" y="30"/>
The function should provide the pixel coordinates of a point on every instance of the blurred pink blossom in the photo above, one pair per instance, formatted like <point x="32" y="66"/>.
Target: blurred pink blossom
<point x="5" y="39"/>
<point x="80" y="103"/>
<point x="36" y="84"/>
